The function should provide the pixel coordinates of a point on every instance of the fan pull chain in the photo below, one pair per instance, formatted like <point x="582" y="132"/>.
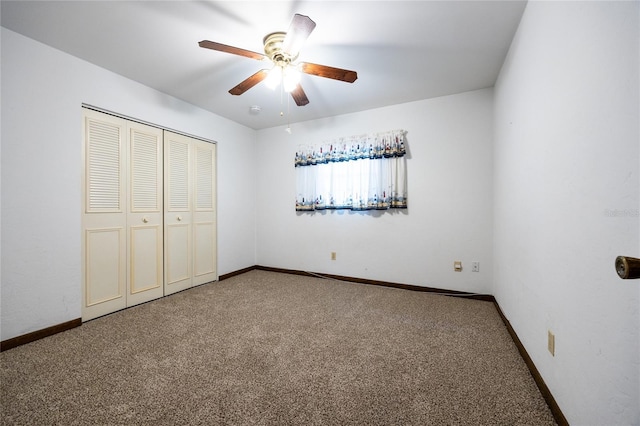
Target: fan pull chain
<point x="281" y="95"/>
<point x="288" y="129"/>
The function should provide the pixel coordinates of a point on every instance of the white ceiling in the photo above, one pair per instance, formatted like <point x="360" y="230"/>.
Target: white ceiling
<point x="402" y="50"/>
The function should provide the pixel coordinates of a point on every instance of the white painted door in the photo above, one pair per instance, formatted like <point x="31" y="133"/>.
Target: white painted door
<point x="122" y="251"/>
<point x="177" y="215"/>
<point x="190" y="217"/>
<point x="204" y="214"/>
<point x="144" y="221"/>
<point x="104" y="242"/>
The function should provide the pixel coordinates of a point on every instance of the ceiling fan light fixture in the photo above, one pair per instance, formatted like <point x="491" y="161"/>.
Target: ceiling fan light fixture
<point x="274" y="78"/>
<point x="290" y="79"/>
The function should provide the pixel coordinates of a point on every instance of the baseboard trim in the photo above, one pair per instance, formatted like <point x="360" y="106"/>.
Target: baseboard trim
<point x="542" y="386"/>
<point x="238" y="272"/>
<point x="484" y="297"/>
<point x="39" y="334"/>
<point x="50" y="331"/>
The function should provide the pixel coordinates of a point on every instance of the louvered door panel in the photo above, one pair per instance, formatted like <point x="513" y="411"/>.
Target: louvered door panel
<point x="104" y="157"/>
<point x="104" y="248"/>
<point x="146" y="169"/>
<point x="179" y="180"/>
<point x="177" y="215"/>
<point x="204" y="176"/>
<point x="204" y="247"/>
<point x="145" y="232"/>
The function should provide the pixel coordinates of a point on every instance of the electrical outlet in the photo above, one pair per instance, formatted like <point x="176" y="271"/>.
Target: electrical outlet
<point x="551" y="343"/>
<point x="333" y="255"/>
<point x="475" y="266"/>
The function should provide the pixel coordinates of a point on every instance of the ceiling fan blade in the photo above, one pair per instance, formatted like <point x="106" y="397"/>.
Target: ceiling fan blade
<point x="299" y="96"/>
<point x="231" y="49"/>
<point x="249" y="82"/>
<point x="329" y="72"/>
<point x="298" y="32"/>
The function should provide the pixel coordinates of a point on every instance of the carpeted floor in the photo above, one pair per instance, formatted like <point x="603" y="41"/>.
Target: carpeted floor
<point x="266" y="348"/>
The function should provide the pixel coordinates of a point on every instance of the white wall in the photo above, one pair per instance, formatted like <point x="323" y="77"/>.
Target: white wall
<point x="564" y="170"/>
<point x="449" y="191"/>
<point x="42" y="93"/>
<point x="567" y="199"/>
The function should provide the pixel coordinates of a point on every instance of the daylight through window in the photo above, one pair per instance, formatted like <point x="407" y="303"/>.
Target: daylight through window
<point x="366" y="172"/>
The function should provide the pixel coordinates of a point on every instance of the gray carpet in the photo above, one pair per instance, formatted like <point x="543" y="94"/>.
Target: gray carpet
<point x="266" y="348"/>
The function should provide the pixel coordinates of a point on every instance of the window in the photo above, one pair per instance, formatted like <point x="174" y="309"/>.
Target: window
<point x="365" y="172"/>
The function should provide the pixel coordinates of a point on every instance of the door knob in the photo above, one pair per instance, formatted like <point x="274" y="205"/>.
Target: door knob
<point x="627" y="267"/>
<point x="145" y="220"/>
<point x="179" y="218"/>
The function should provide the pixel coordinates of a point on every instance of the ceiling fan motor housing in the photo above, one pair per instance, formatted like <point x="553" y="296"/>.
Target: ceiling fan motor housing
<point x="273" y="49"/>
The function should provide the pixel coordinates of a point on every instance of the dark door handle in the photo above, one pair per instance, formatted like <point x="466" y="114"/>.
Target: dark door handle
<point x="628" y="267"/>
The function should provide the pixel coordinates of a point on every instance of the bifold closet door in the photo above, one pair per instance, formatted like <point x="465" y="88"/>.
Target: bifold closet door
<point x="204" y="214"/>
<point x="122" y="250"/>
<point x="190" y="217"/>
<point x="104" y="248"/>
<point x="144" y="221"/>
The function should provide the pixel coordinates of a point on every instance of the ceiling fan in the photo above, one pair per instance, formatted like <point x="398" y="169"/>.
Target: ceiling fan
<point x="282" y="49"/>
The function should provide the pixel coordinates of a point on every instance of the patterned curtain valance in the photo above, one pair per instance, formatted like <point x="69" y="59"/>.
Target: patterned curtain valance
<point x="373" y="146"/>
<point x="366" y="172"/>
